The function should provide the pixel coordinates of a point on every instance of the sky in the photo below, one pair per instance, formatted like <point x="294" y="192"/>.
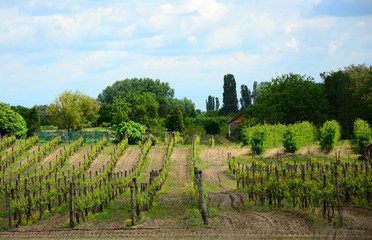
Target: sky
<point x="48" y="46"/>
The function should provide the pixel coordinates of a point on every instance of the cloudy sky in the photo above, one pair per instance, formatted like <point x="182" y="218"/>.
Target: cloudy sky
<point x="49" y="46"/>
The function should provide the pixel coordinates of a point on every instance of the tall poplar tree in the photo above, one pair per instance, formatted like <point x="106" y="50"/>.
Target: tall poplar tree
<point x="246" y="98"/>
<point x="210" y="103"/>
<point x="230" y="99"/>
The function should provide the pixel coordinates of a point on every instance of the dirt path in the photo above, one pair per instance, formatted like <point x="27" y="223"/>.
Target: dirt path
<point x="78" y="157"/>
<point x="51" y="157"/>
<point x="219" y="155"/>
<point x="128" y="160"/>
<point x="155" y="160"/>
<point x="179" y="177"/>
<point x="102" y="159"/>
<point x="230" y="224"/>
<point x="215" y="169"/>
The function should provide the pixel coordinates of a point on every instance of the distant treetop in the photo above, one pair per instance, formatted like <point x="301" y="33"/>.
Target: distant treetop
<point x="122" y="87"/>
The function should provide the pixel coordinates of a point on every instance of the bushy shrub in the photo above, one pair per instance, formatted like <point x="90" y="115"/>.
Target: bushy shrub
<point x="329" y="134"/>
<point x="258" y="141"/>
<point x="305" y="132"/>
<point x="273" y="134"/>
<point x="134" y="130"/>
<point x="290" y="141"/>
<point x="362" y="134"/>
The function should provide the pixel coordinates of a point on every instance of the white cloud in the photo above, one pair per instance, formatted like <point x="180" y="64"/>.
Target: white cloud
<point x="293" y="44"/>
<point x="192" y="39"/>
<point x="333" y="46"/>
<point x="229" y="36"/>
<point x="360" y="24"/>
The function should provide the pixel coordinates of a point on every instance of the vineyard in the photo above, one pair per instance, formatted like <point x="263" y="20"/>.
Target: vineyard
<point x="102" y="189"/>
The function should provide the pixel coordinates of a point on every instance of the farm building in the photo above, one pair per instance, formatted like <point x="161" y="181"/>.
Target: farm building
<point x="233" y="123"/>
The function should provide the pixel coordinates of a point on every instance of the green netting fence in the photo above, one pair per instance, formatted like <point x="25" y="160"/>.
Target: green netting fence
<point x="88" y="136"/>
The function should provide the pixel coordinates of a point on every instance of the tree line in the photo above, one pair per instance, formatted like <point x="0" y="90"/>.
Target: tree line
<point x="344" y="95"/>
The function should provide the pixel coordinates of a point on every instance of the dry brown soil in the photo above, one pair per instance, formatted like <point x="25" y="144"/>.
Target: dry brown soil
<point x="179" y="177"/>
<point x="102" y="159"/>
<point x="215" y="168"/>
<point x="51" y="157"/>
<point x="155" y="160"/>
<point x="128" y="160"/>
<point x="78" y="157"/>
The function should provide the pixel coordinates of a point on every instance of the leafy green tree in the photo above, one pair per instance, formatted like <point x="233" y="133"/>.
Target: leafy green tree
<point x="45" y="119"/>
<point x="212" y="126"/>
<point x="246" y="99"/>
<point x="133" y="130"/>
<point x="361" y="90"/>
<point x="123" y="87"/>
<point x="290" y="98"/>
<point x="135" y="106"/>
<point x="336" y="88"/>
<point x="73" y="110"/>
<point x="174" y="121"/>
<point x="12" y="122"/>
<point x="230" y="99"/>
<point x="23" y="111"/>
<point x="257" y="89"/>
<point x="186" y="105"/>
<point x="349" y="94"/>
<point x="104" y="115"/>
<point x="33" y="124"/>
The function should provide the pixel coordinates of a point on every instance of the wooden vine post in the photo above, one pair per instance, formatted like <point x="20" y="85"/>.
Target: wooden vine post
<point x="133" y="214"/>
<point x="199" y="181"/>
<point x="338" y="195"/>
<point x="72" y="205"/>
<point x="8" y="208"/>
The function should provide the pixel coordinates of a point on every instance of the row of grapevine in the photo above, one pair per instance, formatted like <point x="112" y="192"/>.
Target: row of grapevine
<point x="16" y="153"/>
<point x="93" y="195"/>
<point x="314" y="185"/>
<point x="7" y="142"/>
<point x="145" y="196"/>
<point x="29" y="198"/>
<point x="36" y="157"/>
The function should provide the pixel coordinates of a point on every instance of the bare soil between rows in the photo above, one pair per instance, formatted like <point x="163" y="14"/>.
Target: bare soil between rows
<point x="232" y="223"/>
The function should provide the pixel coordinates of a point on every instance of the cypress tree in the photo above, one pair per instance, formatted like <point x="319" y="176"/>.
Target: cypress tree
<point x="230" y="99"/>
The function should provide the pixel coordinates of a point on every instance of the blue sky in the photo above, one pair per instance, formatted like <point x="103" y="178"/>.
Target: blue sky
<point x="48" y="46"/>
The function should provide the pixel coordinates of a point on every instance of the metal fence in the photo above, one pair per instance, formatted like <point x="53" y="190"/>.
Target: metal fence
<point x="88" y="136"/>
